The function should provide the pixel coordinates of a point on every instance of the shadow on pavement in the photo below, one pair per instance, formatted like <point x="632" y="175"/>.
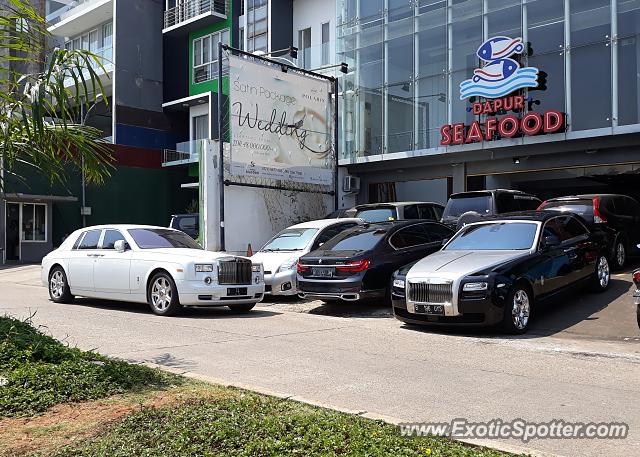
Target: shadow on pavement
<point x="213" y="312"/>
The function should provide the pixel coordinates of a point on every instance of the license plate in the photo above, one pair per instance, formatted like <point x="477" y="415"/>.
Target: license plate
<point x="236" y="291"/>
<point x="430" y="309"/>
<point x="322" y="272"/>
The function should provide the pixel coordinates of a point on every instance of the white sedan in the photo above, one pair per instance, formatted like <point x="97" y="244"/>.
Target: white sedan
<point x="159" y="266"/>
<point x="281" y="253"/>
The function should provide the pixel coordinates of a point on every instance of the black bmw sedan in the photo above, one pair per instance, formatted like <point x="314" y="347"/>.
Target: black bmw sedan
<point x="357" y="264"/>
<point x="496" y="271"/>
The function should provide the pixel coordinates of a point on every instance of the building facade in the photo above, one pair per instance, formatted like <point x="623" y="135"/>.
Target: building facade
<point x="415" y="123"/>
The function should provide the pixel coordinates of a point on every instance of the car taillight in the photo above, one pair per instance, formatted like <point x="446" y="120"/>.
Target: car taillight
<point x="302" y="268"/>
<point x="542" y="205"/>
<point x="354" y="267"/>
<point x="598" y="218"/>
<point x="636" y="277"/>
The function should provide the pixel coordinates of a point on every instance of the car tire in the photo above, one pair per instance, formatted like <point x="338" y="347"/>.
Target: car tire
<point x="59" y="290"/>
<point x="602" y="276"/>
<point x="638" y="315"/>
<point x="241" y="309"/>
<point x="517" y="310"/>
<point x="163" y="295"/>
<point x="619" y="257"/>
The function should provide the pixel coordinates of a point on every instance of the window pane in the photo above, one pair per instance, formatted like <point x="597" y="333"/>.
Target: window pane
<point x="107" y="35"/>
<point x="467" y="34"/>
<point x="224" y="39"/>
<point x="590" y="21"/>
<point x="206" y="49"/>
<point x="40" y="228"/>
<point x="27" y="222"/>
<point x="197" y="52"/>
<point x="628" y="81"/>
<point x="594" y="110"/>
<point x="505" y="21"/>
<point x="545" y="25"/>
<point x="110" y="238"/>
<point x="432" y="110"/>
<point x="90" y="240"/>
<point x="553" y="97"/>
<point x="93" y="41"/>
<point x="628" y="18"/>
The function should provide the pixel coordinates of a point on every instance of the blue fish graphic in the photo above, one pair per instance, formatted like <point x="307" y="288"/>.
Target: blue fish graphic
<point x="497" y="70"/>
<point x="499" y="48"/>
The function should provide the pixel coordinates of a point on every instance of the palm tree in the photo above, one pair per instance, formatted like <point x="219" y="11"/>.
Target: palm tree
<point x="40" y="125"/>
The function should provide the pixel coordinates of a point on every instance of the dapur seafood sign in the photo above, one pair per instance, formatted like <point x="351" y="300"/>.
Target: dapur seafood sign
<point x="281" y="125"/>
<point x="498" y="78"/>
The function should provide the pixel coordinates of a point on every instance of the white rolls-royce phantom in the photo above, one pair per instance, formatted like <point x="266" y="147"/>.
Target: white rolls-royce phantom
<point x="159" y="266"/>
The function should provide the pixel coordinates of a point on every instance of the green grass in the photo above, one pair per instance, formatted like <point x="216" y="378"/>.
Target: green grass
<point x="238" y="423"/>
<point x="40" y="372"/>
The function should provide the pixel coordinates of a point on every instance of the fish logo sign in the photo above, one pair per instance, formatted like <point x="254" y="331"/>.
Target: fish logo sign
<point x="500" y="75"/>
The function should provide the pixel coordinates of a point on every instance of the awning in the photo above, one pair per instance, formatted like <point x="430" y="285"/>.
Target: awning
<point x="21" y="197"/>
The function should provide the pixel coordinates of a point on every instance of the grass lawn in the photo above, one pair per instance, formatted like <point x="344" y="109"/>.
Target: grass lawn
<point x="57" y="401"/>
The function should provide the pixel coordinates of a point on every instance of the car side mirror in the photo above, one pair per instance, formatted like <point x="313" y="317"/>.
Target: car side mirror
<point x="550" y="242"/>
<point x="120" y="246"/>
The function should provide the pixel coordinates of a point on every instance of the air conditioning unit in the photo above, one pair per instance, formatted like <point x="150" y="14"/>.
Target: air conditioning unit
<point x="351" y="184"/>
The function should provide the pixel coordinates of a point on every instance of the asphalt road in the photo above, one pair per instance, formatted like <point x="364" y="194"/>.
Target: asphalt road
<point x="581" y="362"/>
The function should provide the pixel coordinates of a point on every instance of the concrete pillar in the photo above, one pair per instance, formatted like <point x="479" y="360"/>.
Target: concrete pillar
<point x="459" y="174"/>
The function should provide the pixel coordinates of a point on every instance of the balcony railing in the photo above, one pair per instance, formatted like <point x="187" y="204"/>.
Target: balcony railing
<point x="194" y="8"/>
<point x="187" y="152"/>
<point x="56" y="16"/>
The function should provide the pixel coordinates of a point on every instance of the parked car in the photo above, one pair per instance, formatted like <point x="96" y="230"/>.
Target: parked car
<point x="618" y="215"/>
<point x="156" y="265"/>
<point x="466" y="207"/>
<point x="281" y="253"/>
<point x="496" y="271"/>
<point x="358" y="263"/>
<point x="396" y="211"/>
<point x="187" y="223"/>
<point x="636" y="294"/>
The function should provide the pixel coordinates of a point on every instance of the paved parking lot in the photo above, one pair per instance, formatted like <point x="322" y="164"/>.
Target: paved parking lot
<point x="580" y="363"/>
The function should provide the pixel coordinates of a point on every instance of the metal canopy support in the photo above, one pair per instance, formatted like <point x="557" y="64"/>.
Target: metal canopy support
<point x="221" y="150"/>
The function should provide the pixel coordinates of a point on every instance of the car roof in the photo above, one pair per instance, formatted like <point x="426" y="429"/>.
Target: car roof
<point x="125" y="227"/>
<point x="185" y="214"/>
<point x="395" y="224"/>
<point x="490" y="191"/>
<point x="396" y="204"/>
<point x="322" y="223"/>
<point x="527" y="216"/>
<point x="584" y="197"/>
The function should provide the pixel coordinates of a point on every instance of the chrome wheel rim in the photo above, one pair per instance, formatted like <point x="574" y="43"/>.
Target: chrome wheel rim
<point x="56" y="284"/>
<point x="161" y="294"/>
<point x="620" y="254"/>
<point x="603" y="272"/>
<point x="520" y="309"/>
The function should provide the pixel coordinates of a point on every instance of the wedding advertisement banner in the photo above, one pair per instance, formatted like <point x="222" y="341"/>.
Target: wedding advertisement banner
<point x="281" y="125"/>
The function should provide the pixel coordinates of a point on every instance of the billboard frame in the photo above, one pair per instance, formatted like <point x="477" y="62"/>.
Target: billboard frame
<point x="221" y="128"/>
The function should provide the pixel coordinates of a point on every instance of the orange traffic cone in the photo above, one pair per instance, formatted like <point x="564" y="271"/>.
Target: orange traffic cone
<point x="249" y="250"/>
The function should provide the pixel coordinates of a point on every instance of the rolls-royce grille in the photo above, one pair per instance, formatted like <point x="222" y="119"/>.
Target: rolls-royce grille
<point x="236" y="271"/>
<point x="430" y="293"/>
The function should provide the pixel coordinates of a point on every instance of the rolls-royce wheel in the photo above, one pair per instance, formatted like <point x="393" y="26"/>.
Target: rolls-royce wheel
<point x="59" y="291"/>
<point x="517" y="310"/>
<point x="242" y="308"/>
<point x="602" y="275"/>
<point x="163" y="295"/>
<point x="619" y="258"/>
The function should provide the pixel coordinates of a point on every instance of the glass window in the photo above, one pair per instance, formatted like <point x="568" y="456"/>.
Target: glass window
<point x="628" y="80"/>
<point x="110" y="238"/>
<point x="411" y="212"/>
<point x="326" y="34"/>
<point x="355" y="240"/>
<point x="377" y="214"/>
<point x="200" y="127"/>
<point x="329" y="233"/>
<point x="90" y="240"/>
<point x="457" y="206"/>
<point x="560" y="228"/>
<point x="438" y="211"/>
<point x="551" y="97"/>
<point x="628" y="18"/>
<point x="34" y="222"/>
<point x="414" y="235"/>
<point x="495" y="237"/>
<point x="290" y="240"/>
<point x="583" y="208"/>
<point x="205" y="55"/>
<point x="590" y="21"/>
<point x="504" y="19"/>
<point x="467" y="34"/>
<point x="162" y="238"/>
<point x="575" y="228"/>
<point x="441" y="232"/>
<point x="545" y="29"/>
<point x="27" y="222"/>
<point x="590" y="108"/>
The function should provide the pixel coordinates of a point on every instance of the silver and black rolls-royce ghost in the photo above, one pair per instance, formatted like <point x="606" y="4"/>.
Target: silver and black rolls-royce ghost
<point x="493" y="272"/>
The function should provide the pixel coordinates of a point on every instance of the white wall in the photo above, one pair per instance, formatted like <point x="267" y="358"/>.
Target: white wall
<point x="313" y="13"/>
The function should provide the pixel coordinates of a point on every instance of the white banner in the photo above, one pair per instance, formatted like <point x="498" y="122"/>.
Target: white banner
<point x="281" y="125"/>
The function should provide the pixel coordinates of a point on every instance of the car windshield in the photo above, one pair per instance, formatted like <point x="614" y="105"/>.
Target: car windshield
<point x="355" y="240"/>
<point x="457" y="206"/>
<point x="377" y="214"/>
<point x="290" y="240"/>
<point x="499" y="236"/>
<point x="147" y="238"/>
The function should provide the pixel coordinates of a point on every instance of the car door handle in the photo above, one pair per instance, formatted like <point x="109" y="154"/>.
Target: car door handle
<point x="95" y="255"/>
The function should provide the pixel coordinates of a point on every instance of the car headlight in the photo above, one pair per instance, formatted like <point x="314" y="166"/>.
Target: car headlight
<point x="398" y="283"/>
<point x="475" y="286"/>
<point x="256" y="268"/>
<point x="204" y="268"/>
<point x="289" y="264"/>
